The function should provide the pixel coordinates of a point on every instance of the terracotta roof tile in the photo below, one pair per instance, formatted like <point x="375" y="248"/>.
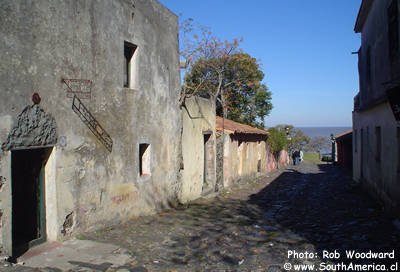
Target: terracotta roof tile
<point x="344" y="133"/>
<point x="233" y="127"/>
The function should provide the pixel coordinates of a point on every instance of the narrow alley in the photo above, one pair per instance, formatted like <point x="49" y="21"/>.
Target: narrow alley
<point x="161" y="135"/>
<point x="253" y="225"/>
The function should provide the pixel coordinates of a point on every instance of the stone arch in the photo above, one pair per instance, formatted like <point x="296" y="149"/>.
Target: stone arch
<point x="34" y="128"/>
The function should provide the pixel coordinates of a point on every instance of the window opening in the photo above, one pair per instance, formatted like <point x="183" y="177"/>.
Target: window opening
<point x="144" y="159"/>
<point x="129" y="50"/>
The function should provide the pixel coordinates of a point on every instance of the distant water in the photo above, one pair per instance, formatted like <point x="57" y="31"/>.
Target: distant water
<point x="323" y="131"/>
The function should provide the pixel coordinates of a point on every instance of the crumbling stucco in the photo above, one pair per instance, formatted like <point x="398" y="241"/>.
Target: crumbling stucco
<point x="2" y="180"/>
<point x="245" y="155"/>
<point x="45" y="42"/>
<point x="68" y="224"/>
<point x="1" y="226"/>
<point x="5" y="203"/>
<point x="198" y="119"/>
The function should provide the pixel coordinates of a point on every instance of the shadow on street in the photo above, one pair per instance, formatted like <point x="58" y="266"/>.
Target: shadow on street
<point x="329" y="212"/>
<point x="305" y="208"/>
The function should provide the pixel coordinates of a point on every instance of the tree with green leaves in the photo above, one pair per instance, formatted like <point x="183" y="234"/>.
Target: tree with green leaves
<point x="244" y="98"/>
<point x="296" y="138"/>
<point x="230" y="78"/>
<point x="206" y="56"/>
<point x="277" y="140"/>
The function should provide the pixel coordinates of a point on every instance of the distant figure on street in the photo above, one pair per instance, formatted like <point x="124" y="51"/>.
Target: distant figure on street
<point x="301" y="155"/>
<point x="295" y="157"/>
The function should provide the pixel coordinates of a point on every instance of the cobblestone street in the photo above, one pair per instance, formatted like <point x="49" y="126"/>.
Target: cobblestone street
<point x="251" y="226"/>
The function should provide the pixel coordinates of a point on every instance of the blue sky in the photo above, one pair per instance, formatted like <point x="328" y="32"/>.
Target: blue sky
<point x="304" y="47"/>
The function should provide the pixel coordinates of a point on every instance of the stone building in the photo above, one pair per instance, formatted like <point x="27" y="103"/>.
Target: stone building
<point x="198" y="148"/>
<point x="243" y="152"/>
<point x="376" y="115"/>
<point x="101" y="141"/>
<point x="213" y="160"/>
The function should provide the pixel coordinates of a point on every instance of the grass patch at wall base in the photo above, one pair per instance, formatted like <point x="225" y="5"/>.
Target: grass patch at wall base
<point x="311" y="157"/>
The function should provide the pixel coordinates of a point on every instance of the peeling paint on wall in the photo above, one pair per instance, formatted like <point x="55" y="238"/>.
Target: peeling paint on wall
<point x="69" y="224"/>
<point x="198" y="154"/>
<point x="123" y="194"/>
<point x="246" y="155"/>
<point x="99" y="186"/>
<point x="1" y="226"/>
<point x="2" y="181"/>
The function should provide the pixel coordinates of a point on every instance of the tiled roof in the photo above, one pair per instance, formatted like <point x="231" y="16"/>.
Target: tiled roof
<point x="344" y="134"/>
<point x="233" y="127"/>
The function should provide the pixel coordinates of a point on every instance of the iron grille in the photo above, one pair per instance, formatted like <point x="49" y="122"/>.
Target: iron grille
<point x="92" y="123"/>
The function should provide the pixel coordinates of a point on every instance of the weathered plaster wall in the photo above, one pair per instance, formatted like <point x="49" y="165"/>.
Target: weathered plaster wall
<point x="381" y="178"/>
<point x="198" y="117"/>
<point x="6" y="124"/>
<point x="283" y="158"/>
<point x="5" y="202"/>
<point x="43" y="42"/>
<point x="242" y="153"/>
<point x="374" y="50"/>
<point x="378" y="72"/>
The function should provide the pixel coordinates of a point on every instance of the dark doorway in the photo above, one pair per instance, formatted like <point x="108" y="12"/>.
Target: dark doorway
<point x="209" y="164"/>
<point x="206" y="148"/>
<point x="28" y="206"/>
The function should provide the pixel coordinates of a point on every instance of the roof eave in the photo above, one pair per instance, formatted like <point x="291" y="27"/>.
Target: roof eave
<point x="251" y="132"/>
<point x="225" y="130"/>
<point x="242" y="132"/>
<point x="344" y="134"/>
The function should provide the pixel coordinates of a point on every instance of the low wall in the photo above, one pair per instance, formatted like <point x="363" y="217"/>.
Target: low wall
<point x="198" y="148"/>
<point x="245" y="155"/>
